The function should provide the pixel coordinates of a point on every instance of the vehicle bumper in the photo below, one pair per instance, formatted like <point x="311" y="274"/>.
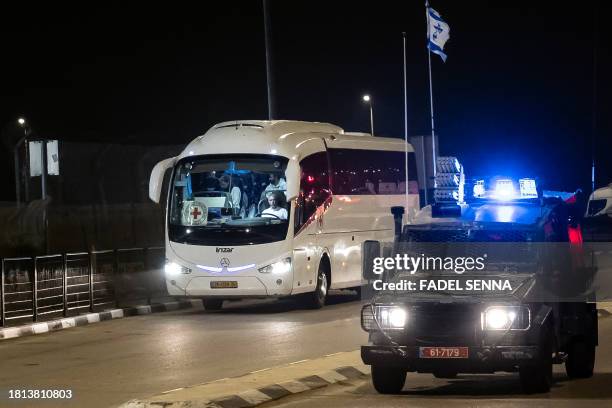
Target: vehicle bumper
<point x="248" y="286"/>
<point x="480" y="359"/>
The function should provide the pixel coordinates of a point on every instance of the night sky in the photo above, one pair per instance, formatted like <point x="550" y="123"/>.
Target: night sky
<point x="515" y="96"/>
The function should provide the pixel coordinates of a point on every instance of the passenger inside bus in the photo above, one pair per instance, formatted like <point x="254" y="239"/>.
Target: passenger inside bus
<point x="277" y="201"/>
<point x="231" y="185"/>
<point x="276" y="183"/>
<point x="234" y="193"/>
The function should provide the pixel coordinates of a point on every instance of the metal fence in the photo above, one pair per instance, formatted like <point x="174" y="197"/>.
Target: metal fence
<point x="44" y="287"/>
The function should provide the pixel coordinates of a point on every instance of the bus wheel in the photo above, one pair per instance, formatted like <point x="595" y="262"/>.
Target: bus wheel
<point x="212" y="304"/>
<point x="388" y="380"/>
<point x="580" y="360"/>
<point x="316" y="299"/>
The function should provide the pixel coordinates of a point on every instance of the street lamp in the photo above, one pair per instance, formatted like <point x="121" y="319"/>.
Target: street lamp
<point x="22" y="122"/>
<point x="368" y="100"/>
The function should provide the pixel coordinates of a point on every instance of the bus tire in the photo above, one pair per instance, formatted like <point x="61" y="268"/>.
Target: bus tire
<point x="212" y="304"/>
<point x="316" y="299"/>
<point x="580" y="359"/>
<point x="388" y="380"/>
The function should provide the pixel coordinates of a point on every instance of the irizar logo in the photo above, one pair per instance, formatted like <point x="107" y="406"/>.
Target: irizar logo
<point x="224" y="262"/>
<point x="221" y="249"/>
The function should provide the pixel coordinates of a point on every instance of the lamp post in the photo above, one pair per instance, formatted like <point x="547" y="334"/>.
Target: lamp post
<point x="22" y="123"/>
<point x="368" y="100"/>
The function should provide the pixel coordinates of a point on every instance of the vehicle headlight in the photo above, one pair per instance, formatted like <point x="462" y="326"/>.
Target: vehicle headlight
<point x="388" y="317"/>
<point x="173" y="269"/>
<point x="277" y="268"/>
<point x="506" y="318"/>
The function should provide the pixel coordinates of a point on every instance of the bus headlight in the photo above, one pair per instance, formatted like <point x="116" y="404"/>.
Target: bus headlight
<point x="506" y="318"/>
<point x="388" y="317"/>
<point x="277" y="268"/>
<point x="174" y="269"/>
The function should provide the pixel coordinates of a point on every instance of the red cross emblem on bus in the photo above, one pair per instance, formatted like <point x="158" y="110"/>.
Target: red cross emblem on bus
<point x="196" y="212"/>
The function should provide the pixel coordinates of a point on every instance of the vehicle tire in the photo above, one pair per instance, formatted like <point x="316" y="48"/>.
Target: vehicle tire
<point x="212" y="304"/>
<point x="536" y="377"/>
<point x="580" y="360"/>
<point x="316" y="299"/>
<point x="445" y="374"/>
<point x="388" y="380"/>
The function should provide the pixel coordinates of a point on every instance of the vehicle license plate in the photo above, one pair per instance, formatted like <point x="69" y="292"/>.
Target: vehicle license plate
<point x="443" y="352"/>
<point x="223" y="284"/>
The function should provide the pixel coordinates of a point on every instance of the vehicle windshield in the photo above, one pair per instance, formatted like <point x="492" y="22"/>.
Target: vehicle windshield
<point x="229" y="200"/>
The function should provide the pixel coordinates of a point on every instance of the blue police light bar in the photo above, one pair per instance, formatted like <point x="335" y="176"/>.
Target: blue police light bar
<point x="528" y="188"/>
<point x="479" y="189"/>
<point x="505" y="189"/>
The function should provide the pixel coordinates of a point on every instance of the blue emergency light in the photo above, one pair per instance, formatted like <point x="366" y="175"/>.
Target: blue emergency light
<point x="505" y="189"/>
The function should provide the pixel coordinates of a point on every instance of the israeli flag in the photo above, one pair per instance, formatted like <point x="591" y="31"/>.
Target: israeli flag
<point x="439" y="33"/>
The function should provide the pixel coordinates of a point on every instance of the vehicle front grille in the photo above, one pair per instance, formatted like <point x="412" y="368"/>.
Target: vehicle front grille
<point x="444" y="324"/>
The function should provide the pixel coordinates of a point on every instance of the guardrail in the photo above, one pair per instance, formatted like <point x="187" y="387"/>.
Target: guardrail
<point x="51" y="286"/>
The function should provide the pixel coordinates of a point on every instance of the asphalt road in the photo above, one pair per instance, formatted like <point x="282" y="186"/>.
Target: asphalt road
<point x="111" y="362"/>
<point x="499" y="390"/>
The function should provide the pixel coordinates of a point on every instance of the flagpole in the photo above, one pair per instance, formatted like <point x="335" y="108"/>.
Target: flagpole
<point x="405" y="122"/>
<point x="431" y="108"/>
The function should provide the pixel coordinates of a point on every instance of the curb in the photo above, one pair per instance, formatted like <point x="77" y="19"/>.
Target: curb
<point x="90" y="318"/>
<point x="604" y="309"/>
<point x="257" y="396"/>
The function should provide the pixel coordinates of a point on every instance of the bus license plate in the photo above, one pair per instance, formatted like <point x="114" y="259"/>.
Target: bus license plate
<point x="443" y="352"/>
<point x="223" y="284"/>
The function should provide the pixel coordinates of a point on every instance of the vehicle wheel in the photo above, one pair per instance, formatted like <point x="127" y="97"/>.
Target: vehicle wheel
<point x="580" y="360"/>
<point x="388" y="380"/>
<point x="212" y="304"/>
<point x="316" y="299"/>
<point x="445" y="374"/>
<point x="537" y="377"/>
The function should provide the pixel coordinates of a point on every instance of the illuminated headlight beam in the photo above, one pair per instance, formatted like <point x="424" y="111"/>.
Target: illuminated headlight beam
<point x="277" y="268"/>
<point x="506" y="318"/>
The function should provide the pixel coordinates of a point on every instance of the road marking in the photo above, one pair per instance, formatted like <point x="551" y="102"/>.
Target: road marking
<point x="298" y="362"/>
<point x="176" y="389"/>
<point x="259" y="371"/>
<point x="214" y="381"/>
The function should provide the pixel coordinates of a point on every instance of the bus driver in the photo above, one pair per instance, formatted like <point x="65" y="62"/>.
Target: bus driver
<point x="275" y="210"/>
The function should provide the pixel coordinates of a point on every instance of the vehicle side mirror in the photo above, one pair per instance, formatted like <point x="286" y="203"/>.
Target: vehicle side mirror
<point x="156" y="180"/>
<point x="370" y="250"/>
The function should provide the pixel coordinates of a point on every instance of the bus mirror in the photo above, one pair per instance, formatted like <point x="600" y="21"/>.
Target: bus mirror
<point x="371" y="250"/>
<point x="157" y="178"/>
<point x="293" y="180"/>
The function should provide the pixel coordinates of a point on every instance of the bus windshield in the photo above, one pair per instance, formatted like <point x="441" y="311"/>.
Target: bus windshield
<point x="229" y="200"/>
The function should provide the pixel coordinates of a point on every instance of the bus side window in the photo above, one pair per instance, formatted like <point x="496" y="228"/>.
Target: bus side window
<point x="314" y="187"/>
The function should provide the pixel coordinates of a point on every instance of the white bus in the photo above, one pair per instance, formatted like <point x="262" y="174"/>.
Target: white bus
<point x="279" y="208"/>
